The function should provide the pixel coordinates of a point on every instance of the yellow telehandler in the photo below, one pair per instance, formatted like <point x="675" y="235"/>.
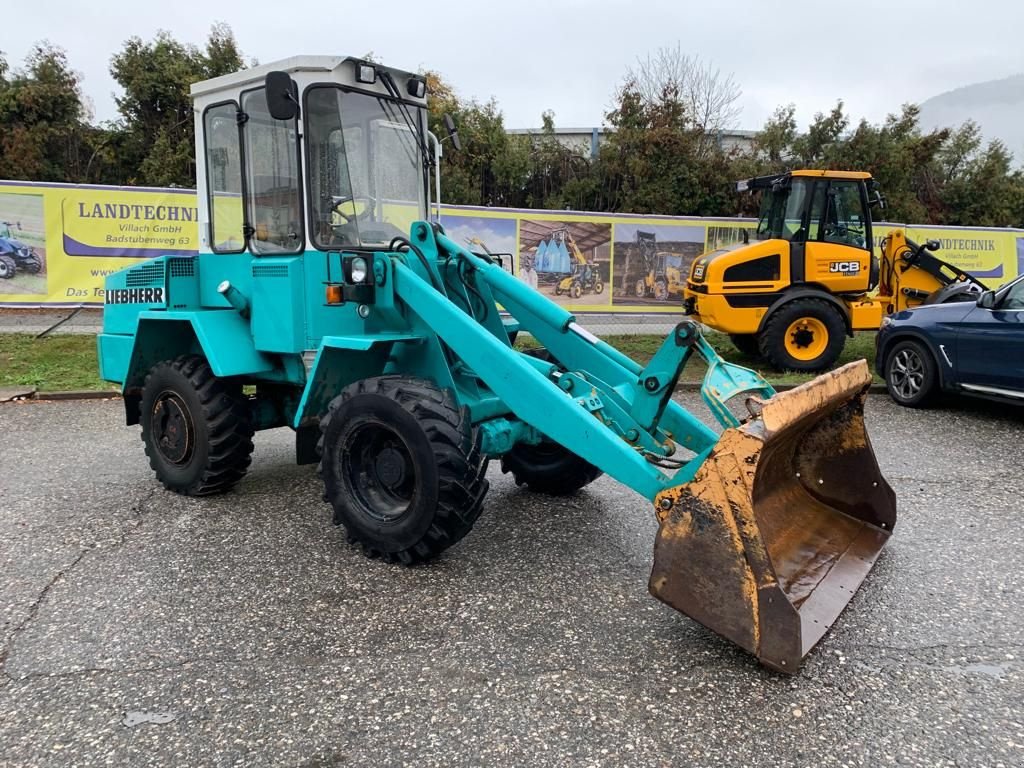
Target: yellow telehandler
<point x="810" y="277"/>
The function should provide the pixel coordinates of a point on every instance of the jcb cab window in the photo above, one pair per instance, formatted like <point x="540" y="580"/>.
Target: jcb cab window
<point x="273" y="183"/>
<point x="843" y="222"/>
<point x="224" y="178"/>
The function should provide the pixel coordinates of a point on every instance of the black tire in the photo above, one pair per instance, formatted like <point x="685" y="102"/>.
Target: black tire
<point x="660" y="290"/>
<point x="772" y="340"/>
<point x="548" y="468"/>
<point x="598" y="287"/>
<point x="8" y="267"/>
<point x="910" y="374"/>
<point x="746" y="343"/>
<point x="196" y="427"/>
<point x="402" y="467"/>
<point x="32" y="265"/>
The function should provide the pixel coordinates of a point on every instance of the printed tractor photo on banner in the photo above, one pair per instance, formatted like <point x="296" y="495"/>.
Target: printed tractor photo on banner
<point x="22" y="244"/>
<point x="568" y="261"/>
<point x="652" y="261"/>
<point x="493" y="237"/>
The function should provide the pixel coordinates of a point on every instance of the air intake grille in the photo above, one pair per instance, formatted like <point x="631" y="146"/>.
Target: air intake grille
<point x="182" y="267"/>
<point x="145" y="276"/>
<point x="269" y="270"/>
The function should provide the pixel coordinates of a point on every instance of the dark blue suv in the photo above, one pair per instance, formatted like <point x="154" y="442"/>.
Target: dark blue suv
<point x="967" y="347"/>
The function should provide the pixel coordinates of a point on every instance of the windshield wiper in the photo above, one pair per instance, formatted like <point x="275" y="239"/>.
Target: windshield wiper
<point x="389" y="83"/>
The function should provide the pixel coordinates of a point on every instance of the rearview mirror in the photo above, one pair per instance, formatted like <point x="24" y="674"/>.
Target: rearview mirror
<point x="453" y="134"/>
<point x="282" y="96"/>
<point x="987" y="300"/>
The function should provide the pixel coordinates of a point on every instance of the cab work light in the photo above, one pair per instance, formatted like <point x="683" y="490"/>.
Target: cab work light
<point x="366" y="72"/>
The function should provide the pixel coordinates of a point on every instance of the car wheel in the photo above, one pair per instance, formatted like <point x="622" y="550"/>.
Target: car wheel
<point x="910" y="374"/>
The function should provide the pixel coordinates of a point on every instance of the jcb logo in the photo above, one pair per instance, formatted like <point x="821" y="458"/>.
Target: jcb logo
<point x="845" y="267"/>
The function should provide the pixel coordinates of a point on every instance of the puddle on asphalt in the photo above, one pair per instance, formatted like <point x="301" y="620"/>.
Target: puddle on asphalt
<point x="132" y="719"/>
<point x="995" y="671"/>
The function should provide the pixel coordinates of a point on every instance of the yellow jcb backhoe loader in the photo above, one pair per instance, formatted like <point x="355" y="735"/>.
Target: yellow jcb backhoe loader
<point x="809" y="278"/>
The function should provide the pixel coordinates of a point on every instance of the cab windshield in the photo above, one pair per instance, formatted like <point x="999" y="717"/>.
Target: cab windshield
<point x="366" y="175"/>
<point x="782" y="211"/>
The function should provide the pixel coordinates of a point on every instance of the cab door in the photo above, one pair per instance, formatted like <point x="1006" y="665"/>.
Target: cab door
<point x="990" y="345"/>
<point x="838" y="253"/>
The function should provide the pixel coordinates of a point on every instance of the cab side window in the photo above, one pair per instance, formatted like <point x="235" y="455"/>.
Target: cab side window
<point x="224" y="178"/>
<point x="843" y="222"/>
<point x="273" y="179"/>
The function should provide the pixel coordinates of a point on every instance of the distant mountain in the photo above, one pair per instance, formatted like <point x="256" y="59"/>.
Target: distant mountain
<point x="997" y="106"/>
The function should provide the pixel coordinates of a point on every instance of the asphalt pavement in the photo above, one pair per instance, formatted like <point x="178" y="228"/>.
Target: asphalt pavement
<point x="141" y="628"/>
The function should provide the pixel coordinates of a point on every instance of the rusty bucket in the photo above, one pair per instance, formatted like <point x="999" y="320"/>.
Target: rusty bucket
<point x="774" y="535"/>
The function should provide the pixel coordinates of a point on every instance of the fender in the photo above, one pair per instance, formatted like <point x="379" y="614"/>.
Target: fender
<point x="340" y="361"/>
<point x="221" y="336"/>
<point x="809" y="292"/>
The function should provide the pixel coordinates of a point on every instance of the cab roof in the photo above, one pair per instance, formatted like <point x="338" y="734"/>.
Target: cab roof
<point x="765" y="182"/>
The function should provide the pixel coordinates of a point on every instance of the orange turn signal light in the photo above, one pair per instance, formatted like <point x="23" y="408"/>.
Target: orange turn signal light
<point x="334" y="295"/>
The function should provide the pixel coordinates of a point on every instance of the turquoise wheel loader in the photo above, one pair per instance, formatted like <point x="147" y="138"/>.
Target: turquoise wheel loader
<point x="323" y="299"/>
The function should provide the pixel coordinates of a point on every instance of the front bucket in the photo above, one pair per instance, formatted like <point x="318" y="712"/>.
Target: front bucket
<point x="773" y="536"/>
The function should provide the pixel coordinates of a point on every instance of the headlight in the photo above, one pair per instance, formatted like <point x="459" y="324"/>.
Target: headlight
<point x="358" y="270"/>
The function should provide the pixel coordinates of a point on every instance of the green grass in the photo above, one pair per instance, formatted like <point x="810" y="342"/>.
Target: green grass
<point x="641" y="347"/>
<point x="56" y="363"/>
<point x="67" y="362"/>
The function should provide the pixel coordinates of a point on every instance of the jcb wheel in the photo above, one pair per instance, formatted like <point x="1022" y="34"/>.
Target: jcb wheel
<point x="402" y="467"/>
<point x="661" y="290"/>
<point x="910" y="375"/>
<point x="598" y="287"/>
<point x="549" y="468"/>
<point x="746" y="343"/>
<point x="576" y="290"/>
<point x="196" y="427"/>
<point x="7" y="267"/>
<point x="804" y="335"/>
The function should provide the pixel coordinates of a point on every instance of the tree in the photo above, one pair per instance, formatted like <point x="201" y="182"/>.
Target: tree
<point x="708" y="96"/>
<point x="157" y="141"/>
<point x="492" y="166"/>
<point x="45" y="134"/>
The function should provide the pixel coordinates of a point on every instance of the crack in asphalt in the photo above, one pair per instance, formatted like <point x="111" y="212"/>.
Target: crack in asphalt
<point x="137" y="509"/>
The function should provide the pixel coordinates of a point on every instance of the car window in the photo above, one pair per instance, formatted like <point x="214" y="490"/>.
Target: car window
<point x="1014" y="299"/>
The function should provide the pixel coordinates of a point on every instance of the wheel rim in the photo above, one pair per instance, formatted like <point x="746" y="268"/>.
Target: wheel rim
<point x="906" y="373"/>
<point x="173" y="430"/>
<point x="5" y="269"/>
<point x="806" y="339"/>
<point x="379" y="471"/>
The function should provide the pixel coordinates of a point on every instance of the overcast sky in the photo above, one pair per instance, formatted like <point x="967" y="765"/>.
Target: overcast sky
<point x="568" y="55"/>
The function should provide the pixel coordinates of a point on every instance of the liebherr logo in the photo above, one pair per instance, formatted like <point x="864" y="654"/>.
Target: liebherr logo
<point x="134" y="296"/>
<point x="844" y="267"/>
